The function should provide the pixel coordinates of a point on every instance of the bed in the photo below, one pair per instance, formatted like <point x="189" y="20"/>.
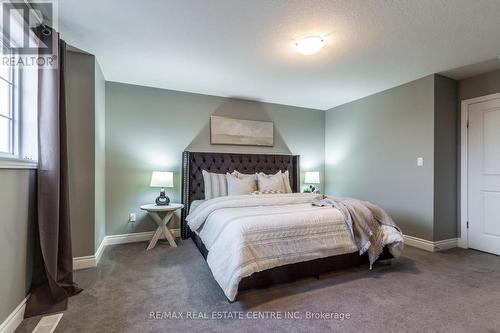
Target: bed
<point x="255" y="241"/>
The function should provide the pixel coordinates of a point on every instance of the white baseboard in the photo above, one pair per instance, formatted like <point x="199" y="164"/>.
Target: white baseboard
<point x="92" y="261"/>
<point x="128" y="238"/>
<point x="446" y="244"/>
<point x="84" y="262"/>
<point x="135" y="237"/>
<point x="100" y="250"/>
<point x="430" y="245"/>
<point x="463" y="243"/>
<point x="15" y="318"/>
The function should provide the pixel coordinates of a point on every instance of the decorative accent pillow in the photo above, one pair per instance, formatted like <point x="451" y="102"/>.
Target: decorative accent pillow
<point x="271" y="182"/>
<point x="239" y="186"/>
<point x="215" y="184"/>
<point x="243" y="175"/>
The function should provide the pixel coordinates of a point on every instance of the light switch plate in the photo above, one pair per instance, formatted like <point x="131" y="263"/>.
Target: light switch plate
<point x="420" y="161"/>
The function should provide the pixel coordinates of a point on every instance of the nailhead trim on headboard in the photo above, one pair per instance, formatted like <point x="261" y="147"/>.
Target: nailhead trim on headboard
<point x="194" y="162"/>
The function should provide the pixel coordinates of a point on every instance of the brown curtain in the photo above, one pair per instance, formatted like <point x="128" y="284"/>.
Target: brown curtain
<point x="52" y="281"/>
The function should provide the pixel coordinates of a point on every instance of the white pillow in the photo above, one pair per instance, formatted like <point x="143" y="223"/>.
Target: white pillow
<point x="271" y="182"/>
<point x="215" y="184"/>
<point x="239" y="186"/>
<point x="286" y="182"/>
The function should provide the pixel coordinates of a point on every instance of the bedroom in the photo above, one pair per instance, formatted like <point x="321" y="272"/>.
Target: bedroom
<point x="385" y="111"/>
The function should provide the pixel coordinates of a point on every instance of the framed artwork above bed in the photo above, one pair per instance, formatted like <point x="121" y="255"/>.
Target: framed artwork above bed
<point x="228" y="131"/>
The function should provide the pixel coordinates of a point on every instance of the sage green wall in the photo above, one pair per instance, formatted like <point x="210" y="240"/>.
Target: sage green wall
<point x="85" y="102"/>
<point x="81" y="123"/>
<point x="479" y="85"/>
<point x="18" y="207"/>
<point x="445" y="158"/>
<point x="100" y="157"/>
<point x="372" y="145"/>
<point x="148" y="129"/>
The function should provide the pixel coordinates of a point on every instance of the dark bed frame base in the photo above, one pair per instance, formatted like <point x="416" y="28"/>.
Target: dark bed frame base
<point x="292" y="272"/>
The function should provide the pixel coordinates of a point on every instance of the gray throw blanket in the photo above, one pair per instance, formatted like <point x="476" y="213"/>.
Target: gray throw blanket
<point x="364" y="219"/>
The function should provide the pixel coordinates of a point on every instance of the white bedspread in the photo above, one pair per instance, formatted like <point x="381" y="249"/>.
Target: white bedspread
<point x="247" y="234"/>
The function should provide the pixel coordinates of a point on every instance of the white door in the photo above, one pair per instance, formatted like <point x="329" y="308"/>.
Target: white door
<point x="484" y="176"/>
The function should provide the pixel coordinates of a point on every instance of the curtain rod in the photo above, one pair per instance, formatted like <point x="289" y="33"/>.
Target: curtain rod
<point x="46" y="30"/>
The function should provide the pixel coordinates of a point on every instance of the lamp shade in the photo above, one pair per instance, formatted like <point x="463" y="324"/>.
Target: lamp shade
<point x="312" y="177"/>
<point x="162" y="179"/>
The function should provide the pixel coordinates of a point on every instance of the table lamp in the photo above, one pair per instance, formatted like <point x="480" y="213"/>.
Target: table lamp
<point x="162" y="179"/>
<point x="311" y="177"/>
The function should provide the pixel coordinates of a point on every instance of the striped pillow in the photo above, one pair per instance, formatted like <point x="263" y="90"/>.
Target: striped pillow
<point x="215" y="184"/>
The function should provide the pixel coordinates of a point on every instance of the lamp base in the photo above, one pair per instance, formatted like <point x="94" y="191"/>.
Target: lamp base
<point x="311" y="189"/>
<point x="162" y="200"/>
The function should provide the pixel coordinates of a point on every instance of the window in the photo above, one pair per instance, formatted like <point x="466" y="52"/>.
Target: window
<point x="18" y="108"/>
<point x="18" y="117"/>
<point x="7" y="132"/>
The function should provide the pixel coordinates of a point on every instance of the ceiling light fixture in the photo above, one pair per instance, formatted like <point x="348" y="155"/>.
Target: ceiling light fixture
<point x="310" y="44"/>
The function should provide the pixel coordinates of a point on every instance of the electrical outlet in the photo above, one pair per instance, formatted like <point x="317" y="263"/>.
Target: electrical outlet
<point x="420" y="161"/>
<point x="132" y="217"/>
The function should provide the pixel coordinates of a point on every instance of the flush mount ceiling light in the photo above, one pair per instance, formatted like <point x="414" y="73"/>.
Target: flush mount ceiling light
<point x="310" y="44"/>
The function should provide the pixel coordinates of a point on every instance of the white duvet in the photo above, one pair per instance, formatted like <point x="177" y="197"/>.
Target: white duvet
<point x="250" y="233"/>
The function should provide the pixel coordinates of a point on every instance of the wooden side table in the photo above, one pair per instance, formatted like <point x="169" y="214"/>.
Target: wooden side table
<point x="154" y="211"/>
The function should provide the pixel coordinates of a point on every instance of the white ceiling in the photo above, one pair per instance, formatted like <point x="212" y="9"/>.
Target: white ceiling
<point x="242" y="48"/>
<point x="473" y="69"/>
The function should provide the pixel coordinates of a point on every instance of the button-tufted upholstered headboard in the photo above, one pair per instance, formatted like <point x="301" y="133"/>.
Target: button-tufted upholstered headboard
<point x="194" y="162"/>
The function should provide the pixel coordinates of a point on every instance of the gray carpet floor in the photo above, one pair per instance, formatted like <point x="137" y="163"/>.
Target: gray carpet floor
<point x="451" y="291"/>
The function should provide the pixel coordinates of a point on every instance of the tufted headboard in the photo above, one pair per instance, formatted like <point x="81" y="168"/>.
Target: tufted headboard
<point x="194" y="162"/>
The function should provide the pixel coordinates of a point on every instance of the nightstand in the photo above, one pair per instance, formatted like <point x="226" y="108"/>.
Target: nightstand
<point x="154" y="211"/>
